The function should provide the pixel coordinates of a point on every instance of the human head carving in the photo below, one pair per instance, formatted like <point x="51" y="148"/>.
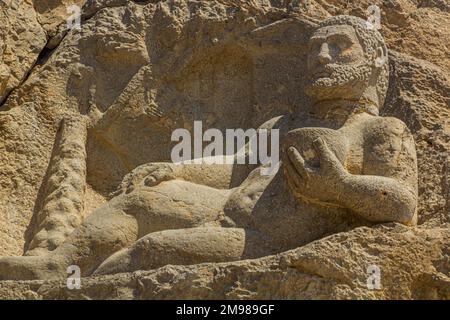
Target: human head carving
<point x="347" y="60"/>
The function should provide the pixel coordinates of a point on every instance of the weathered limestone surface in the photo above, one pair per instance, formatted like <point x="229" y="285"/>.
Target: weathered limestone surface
<point x="21" y="41"/>
<point x="414" y="263"/>
<point x="139" y="69"/>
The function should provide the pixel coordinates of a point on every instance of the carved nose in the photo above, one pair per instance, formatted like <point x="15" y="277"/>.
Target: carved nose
<point x="324" y="54"/>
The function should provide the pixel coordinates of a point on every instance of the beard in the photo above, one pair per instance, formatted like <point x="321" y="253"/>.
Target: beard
<point x="335" y="81"/>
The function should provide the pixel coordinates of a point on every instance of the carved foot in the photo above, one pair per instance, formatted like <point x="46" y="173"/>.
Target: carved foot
<point x="31" y="268"/>
<point x="119" y="262"/>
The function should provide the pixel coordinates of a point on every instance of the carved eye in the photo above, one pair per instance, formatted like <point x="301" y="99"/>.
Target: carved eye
<point x="339" y="45"/>
<point x="333" y="48"/>
<point x="344" y="44"/>
<point x="314" y="46"/>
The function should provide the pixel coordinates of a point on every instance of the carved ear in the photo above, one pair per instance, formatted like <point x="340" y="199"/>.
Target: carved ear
<point x="380" y="56"/>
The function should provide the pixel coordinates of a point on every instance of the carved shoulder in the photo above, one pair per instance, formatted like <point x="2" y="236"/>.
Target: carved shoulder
<point x="389" y="150"/>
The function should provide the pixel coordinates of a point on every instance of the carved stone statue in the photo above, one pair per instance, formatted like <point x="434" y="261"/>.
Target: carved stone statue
<point x="343" y="166"/>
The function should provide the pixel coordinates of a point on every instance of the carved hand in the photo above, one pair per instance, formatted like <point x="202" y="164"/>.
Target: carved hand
<point x="159" y="172"/>
<point x="321" y="183"/>
<point x="149" y="174"/>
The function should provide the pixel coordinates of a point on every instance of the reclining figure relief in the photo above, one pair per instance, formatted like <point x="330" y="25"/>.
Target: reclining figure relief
<point x="343" y="166"/>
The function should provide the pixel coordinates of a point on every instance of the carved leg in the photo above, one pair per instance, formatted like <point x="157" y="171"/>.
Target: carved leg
<point x="105" y="231"/>
<point x="186" y="246"/>
<point x="118" y="224"/>
<point x="174" y="204"/>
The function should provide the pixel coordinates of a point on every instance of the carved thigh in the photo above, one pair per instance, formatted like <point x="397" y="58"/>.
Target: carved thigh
<point x="174" y="204"/>
<point x="186" y="246"/>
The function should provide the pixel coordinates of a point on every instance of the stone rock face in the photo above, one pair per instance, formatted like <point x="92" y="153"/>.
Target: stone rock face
<point x="139" y="69"/>
<point x="414" y="264"/>
<point x="21" y="42"/>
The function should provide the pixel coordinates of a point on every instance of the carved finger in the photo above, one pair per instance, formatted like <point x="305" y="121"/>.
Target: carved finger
<point x="293" y="186"/>
<point x="154" y="167"/>
<point x="293" y="176"/>
<point x="326" y="156"/>
<point x="297" y="161"/>
<point x="157" y="177"/>
<point x="150" y="181"/>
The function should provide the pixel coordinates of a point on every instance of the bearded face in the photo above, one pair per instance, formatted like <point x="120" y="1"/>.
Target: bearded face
<point x="337" y="65"/>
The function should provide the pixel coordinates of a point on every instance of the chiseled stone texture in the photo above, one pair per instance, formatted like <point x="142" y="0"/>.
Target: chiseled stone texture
<point x="161" y="55"/>
<point x="22" y="39"/>
<point x="413" y="263"/>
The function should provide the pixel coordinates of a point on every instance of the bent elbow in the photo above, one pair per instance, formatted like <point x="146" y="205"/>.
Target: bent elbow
<point x="406" y="209"/>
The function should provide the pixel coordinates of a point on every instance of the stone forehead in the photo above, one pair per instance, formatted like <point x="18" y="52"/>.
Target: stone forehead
<point x="327" y="31"/>
<point x="360" y="26"/>
<point x="343" y="20"/>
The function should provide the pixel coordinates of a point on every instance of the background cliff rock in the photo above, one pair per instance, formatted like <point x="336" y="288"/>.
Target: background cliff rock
<point x="139" y="69"/>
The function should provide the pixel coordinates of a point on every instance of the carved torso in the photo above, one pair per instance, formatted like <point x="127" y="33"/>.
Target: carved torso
<point x="266" y="204"/>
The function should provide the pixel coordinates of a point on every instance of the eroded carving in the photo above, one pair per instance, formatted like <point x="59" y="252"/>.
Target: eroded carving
<point x="343" y="166"/>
